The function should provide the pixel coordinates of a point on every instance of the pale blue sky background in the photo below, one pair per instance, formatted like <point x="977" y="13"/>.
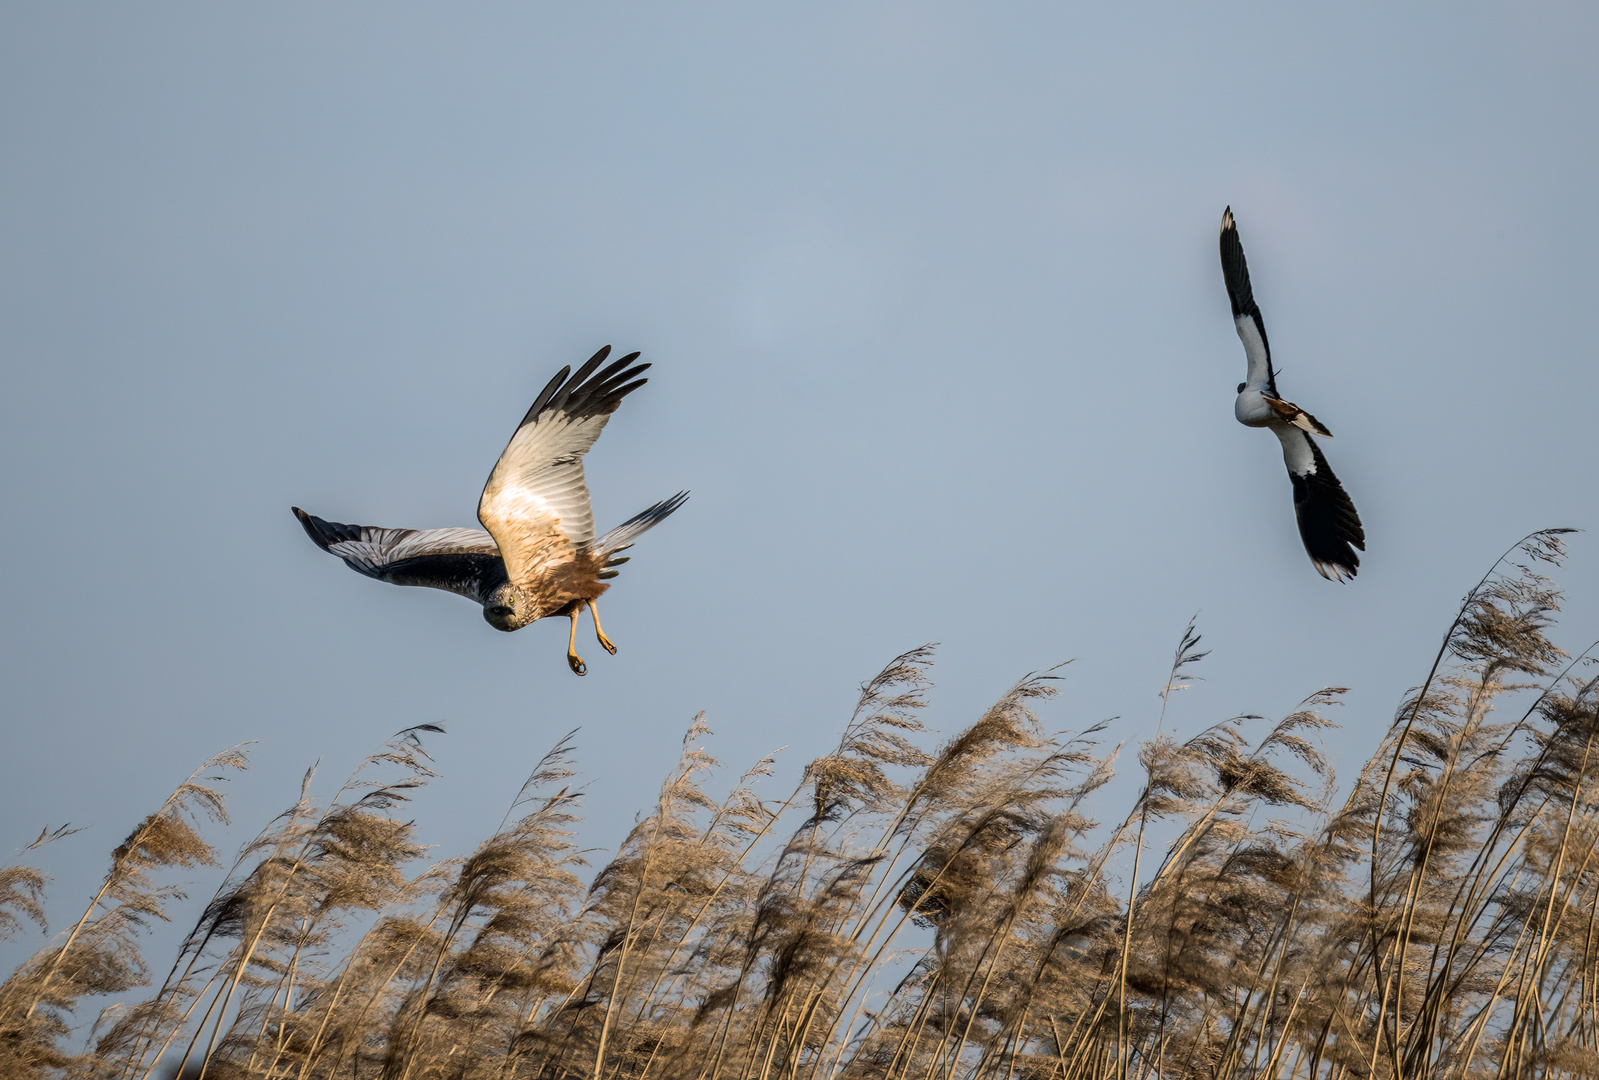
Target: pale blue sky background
<point x="941" y="347"/>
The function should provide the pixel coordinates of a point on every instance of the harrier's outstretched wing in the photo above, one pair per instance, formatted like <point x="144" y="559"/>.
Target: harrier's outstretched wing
<point x="1328" y="523"/>
<point x="1246" y="313"/>
<point x="464" y="561"/>
<point x="536" y="503"/>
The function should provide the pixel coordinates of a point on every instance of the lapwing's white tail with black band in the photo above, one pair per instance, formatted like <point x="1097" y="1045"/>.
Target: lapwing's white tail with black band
<point x="1328" y="523"/>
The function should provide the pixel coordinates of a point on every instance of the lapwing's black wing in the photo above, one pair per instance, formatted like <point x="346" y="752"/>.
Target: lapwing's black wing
<point x="1246" y="313"/>
<point x="1328" y="523"/>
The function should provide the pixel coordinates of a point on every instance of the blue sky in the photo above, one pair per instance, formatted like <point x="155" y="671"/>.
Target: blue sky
<point x="941" y="348"/>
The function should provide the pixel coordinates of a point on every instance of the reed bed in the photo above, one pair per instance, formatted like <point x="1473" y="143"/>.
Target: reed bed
<point x="908" y="911"/>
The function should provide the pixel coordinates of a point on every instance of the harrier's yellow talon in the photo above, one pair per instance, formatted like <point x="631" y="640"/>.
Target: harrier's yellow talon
<point x="605" y="642"/>
<point x="573" y="660"/>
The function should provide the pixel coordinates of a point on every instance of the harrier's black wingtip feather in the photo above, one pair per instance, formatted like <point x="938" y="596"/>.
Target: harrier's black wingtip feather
<point x="629" y="388"/>
<point x="609" y="386"/>
<point x="588" y="391"/>
<point x="611" y="369"/>
<point x="545" y="395"/>
<point x="325" y="533"/>
<point x="310" y="529"/>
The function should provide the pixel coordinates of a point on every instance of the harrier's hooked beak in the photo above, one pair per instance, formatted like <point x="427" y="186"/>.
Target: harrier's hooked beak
<point x="511" y="607"/>
<point x="501" y="612"/>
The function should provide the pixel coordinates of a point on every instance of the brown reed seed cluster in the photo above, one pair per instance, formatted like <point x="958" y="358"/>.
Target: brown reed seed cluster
<point x="904" y="913"/>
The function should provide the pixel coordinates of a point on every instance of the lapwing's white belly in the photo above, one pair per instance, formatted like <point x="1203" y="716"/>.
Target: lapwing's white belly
<point x="1251" y="409"/>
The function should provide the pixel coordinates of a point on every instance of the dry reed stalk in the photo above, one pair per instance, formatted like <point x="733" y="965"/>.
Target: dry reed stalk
<point x="944" y="914"/>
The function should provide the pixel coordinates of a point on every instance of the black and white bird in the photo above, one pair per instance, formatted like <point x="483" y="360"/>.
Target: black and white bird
<point x="1328" y="523"/>
<point x="539" y="556"/>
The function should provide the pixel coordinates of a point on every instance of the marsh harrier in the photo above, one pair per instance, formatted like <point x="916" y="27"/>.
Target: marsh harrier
<point x="1328" y="523"/>
<point x="539" y="556"/>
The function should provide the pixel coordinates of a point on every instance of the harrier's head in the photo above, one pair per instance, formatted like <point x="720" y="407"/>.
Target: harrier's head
<point x="510" y="608"/>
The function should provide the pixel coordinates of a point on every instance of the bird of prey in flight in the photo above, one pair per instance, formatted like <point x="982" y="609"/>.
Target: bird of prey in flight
<point x="539" y="556"/>
<point x="1328" y="523"/>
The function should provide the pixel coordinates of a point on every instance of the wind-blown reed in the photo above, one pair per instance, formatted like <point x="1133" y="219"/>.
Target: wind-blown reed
<point x="908" y="911"/>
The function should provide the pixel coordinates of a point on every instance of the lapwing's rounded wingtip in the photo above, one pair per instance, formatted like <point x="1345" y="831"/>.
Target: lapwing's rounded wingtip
<point x="1335" y="571"/>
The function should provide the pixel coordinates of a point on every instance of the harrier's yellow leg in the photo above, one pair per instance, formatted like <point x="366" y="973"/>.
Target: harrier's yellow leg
<point x="573" y="660"/>
<point x="605" y="642"/>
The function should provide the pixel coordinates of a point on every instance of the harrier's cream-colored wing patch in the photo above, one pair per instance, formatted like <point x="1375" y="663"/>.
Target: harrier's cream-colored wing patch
<point x="536" y="501"/>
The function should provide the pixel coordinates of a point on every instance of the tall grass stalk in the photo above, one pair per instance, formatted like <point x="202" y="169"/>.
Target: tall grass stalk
<point x="908" y="911"/>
